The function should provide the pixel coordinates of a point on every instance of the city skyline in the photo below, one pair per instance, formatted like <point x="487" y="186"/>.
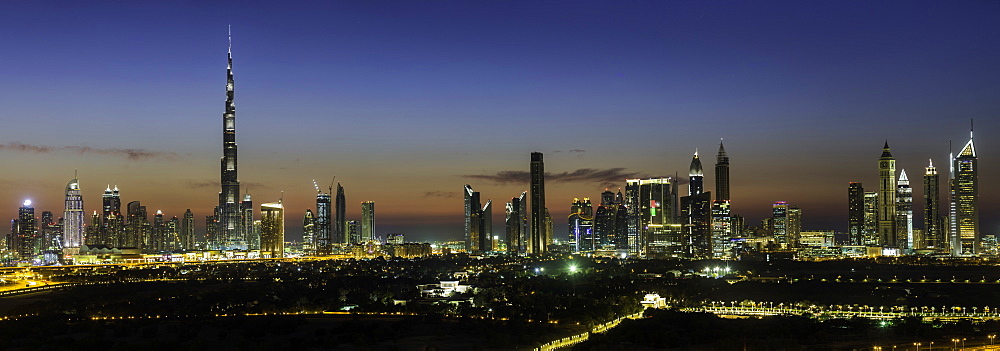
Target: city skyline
<point x="180" y="158"/>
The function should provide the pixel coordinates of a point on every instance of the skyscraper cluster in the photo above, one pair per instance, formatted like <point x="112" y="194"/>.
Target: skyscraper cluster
<point x="956" y="233"/>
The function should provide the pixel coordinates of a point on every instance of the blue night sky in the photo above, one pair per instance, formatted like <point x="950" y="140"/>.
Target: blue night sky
<point x="404" y="101"/>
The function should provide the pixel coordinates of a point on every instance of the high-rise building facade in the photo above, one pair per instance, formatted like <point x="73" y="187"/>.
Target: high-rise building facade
<point x="309" y="233"/>
<point x="340" y="217"/>
<point x="887" y="199"/>
<point x="354" y="231"/>
<point x="722" y="226"/>
<point x="368" y="221"/>
<point x="188" y="239"/>
<point x="933" y="227"/>
<point x="904" y="213"/>
<point x="722" y="174"/>
<point x="965" y="200"/>
<point x="650" y="201"/>
<point x="272" y="229"/>
<point x="112" y="221"/>
<point x="581" y="226"/>
<point x="869" y="232"/>
<point x="323" y="239"/>
<point x="605" y="222"/>
<point x="855" y="213"/>
<point x="138" y="227"/>
<point x="722" y="230"/>
<point x="516" y="224"/>
<point x="473" y="220"/>
<point x="73" y="223"/>
<point x="696" y="209"/>
<point x="786" y="221"/>
<point x="250" y="233"/>
<point x="229" y="233"/>
<point x="538" y="241"/>
<point x="26" y="232"/>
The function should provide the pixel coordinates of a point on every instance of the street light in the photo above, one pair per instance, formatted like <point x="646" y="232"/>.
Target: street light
<point x="572" y="268"/>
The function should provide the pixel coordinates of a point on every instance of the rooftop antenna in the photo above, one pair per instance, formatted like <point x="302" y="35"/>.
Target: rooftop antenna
<point x="230" y="38"/>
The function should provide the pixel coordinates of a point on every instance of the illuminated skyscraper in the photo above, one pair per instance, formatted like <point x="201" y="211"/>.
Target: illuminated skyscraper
<point x="965" y="200"/>
<point x="473" y="220"/>
<point x="696" y="176"/>
<point x="486" y="237"/>
<point x="538" y="241"/>
<point x="112" y="221"/>
<point x="188" y="240"/>
<point x="73" y="224"/>
<point x="722" y="175"/>
<point x="932" y="208"/>
<point x="354" y="232"/>
<point x="272" y="229"/>
<point x="887" y="199"/>
<point x="904" y="213"/>
<point x="368" y="221"/>
<point x="696" y="209"/>
<point x="27" y="232"/>
<point x="159" y="238"/>
<point x="230" y="234"/>
<point x="604" y="219"/>
<point x="173" y="241"/>
<point x="722" y="230"/>
<point x="250" y="233"/>
<point x="324" y="226"/>
<point x="138" y="228"/>
<point x="869" y="232"/>
<point x="722" y="227"/>
<point x="787" y="223"/>
<point x="309" y="233"/>
<point x="581" y="226"/>
<point x="650" y="201"/>
<point x="855" y="213"/>
<point x="516" y="224"/>
<point x="340" y="218"/>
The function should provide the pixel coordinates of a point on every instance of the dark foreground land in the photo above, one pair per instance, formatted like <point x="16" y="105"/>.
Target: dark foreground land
<point x="340" y="332"/>
<point x="703" y="331"/>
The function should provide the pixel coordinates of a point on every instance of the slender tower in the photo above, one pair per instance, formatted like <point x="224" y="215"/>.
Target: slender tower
<point x="537" y="244"/>
<point x="904" y="213"/>
<point x="696" y="175"/>
<point x="340" y="219"/>
<point x="887" y="198"/>
<point x="965" y="200"/>
<point x="324" y="228"/>
<point x="932" y="208"/>
<point x="722" y="174"/>
<point x="855" y="212"/>
<point x="73" y="225"/>
<point x="230" y="229"/>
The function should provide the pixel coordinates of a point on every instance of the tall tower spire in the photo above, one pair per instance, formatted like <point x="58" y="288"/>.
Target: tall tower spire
<point x="965" y="200"/>
<point x="722" y="174"/>
<point x="887" y="199"/>
<point x="695" y="176"/>
<point x="231" y="234"/>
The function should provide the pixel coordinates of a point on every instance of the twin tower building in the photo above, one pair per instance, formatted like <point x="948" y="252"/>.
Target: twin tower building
<point x="651" y="219"/>
<point x="885" y="218"/>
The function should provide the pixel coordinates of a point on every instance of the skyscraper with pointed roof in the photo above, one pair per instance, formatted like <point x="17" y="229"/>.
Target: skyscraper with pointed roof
<point x="887" y="198"/>
<point x="696" y="176"/>
<point x="904" y="214"/>
<point x="932" y="208"/>
<point x="722" y="174"/>
<point x="73" y="223"/>
<point x="965" y="200"/>
<point x="230" y="234"/>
